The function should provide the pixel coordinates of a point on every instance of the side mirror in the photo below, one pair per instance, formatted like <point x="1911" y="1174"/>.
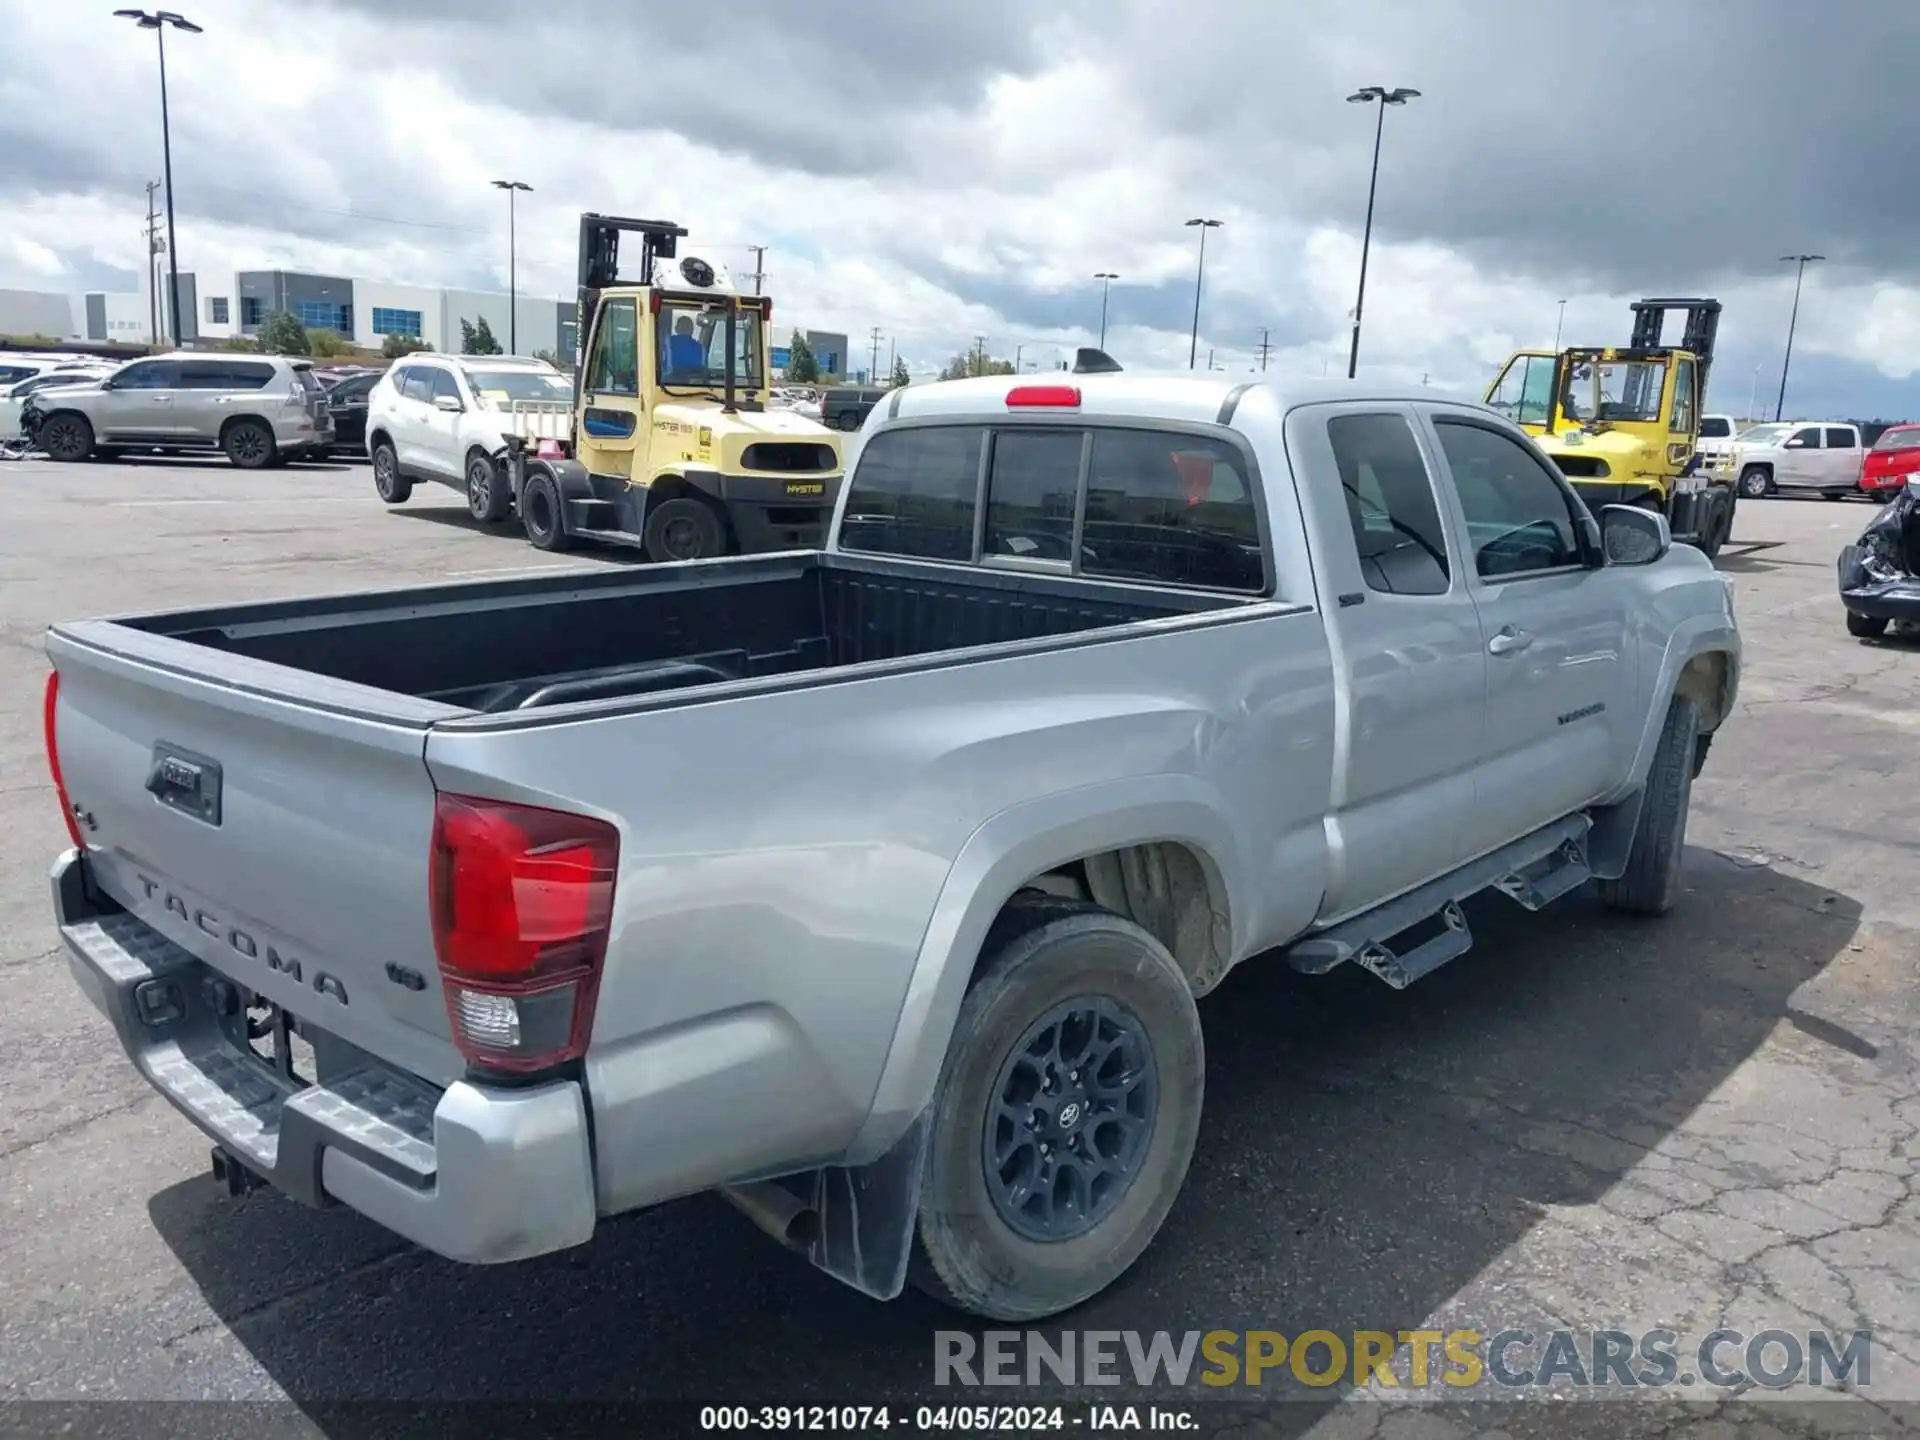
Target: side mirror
<point x="449" y="403"/>
<point x="1633" y="536"/>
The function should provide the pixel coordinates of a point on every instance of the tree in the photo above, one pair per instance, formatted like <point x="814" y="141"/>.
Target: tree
<point x="476" y="338"/>
<point x="802" y="368"/>
<point x="963" y="367"/>
<point x="281" y="334"/>
<point x="900" y="376"/>
<point x="396" y="346"/>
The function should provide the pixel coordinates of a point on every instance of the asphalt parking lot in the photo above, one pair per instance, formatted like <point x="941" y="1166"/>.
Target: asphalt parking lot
<point x="1589" y="1122"/>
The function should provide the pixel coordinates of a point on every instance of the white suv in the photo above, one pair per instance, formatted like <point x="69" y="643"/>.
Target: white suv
<point x="446" y="418"/>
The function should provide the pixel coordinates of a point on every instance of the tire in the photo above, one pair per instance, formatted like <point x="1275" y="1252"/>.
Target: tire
<point x="683" y="528"/>
<point x="249" y="445"/>
<point x="1719" y="527"/>
<point x="541" y="515"/>
<point x="66" y="437"/>
<point x="318" y="455"/>
<point x="1865" y="627"/>
<point x="1651" y="881"/>
<point x="1755" y="483"/>
<point x="1044" y="958"/>
<point x="388" y="483"/>
<point x="1834" y="494"/>
<point x="849" y="420"/>
<point x="488" y="499"/>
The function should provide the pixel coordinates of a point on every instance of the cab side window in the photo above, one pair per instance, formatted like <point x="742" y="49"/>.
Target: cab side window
<point x="1807" y="439"/>
<point x="1390" y="505"/>
<point x="1682" y="397"/>
<point x="149" y="375"/>
<point x="445" y="386"/>
<point x="1841" y="438"/>
<point x="417" y="383"/>
<point x="1520" y="516"/>
<point x="614" y="366"/>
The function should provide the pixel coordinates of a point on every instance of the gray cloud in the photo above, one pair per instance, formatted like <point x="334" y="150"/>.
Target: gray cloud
<point x="1651" y="144"/>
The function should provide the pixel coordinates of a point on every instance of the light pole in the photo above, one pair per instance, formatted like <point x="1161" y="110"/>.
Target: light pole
<point x="513" y="287"/>
<point x="1557" y="325"/>
<point x="1199" y="275"/>
<point x="1366" y="95"/>
<point x="158" y="21"/>
<point x="1106" y="279"/>
<point x="1792" y="320"/>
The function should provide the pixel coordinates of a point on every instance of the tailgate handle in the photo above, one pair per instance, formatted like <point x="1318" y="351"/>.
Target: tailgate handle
<point x="184" y="781"/>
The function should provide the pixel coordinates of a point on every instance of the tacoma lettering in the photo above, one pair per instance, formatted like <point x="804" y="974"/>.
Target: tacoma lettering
<point x="241" y="943"/>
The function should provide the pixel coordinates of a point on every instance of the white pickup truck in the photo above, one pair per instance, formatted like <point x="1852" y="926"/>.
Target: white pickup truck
<point x="1803" y="456"/>
<point x="874" y="887"/>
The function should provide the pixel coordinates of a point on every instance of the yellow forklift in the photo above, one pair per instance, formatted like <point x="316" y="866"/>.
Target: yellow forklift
<point x="673" y="448"/>
<point x="1623" y="423"/>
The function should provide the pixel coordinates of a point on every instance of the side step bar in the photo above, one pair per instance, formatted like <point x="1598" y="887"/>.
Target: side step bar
<point x="1533" y="871"/>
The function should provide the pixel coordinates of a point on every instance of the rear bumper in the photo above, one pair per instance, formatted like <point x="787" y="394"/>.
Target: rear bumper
<point x="472" y="1172"/>
<point x="1897" y="601"/>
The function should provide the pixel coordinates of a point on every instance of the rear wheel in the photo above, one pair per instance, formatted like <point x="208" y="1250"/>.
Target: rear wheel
<point x="488" y="500"/>
<point x="66" y="437"/>
<point x="540" y="513"/>
<point x="1755" y="482"/>
<point x="849" y="420"/>
<point x="1065" y="1116"/>
<point x="683" y="528"/>
<point x="1865" y="627"/>
<point x="249" y="445"/>
<point x="1651" y="882"/>
<point x="388" y="483"/>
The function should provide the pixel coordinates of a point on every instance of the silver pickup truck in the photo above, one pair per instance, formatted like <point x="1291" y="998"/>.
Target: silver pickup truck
<point x="873" y="888"/>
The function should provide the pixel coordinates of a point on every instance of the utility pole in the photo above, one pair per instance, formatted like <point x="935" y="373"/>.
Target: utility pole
<point x="979" y="355"/>
<point x="1265" y="347"/>
<point x="873" y="361"/>
<point x="759" y="265"/>
<point x="1018" y="350"/>
<point x="1557" y="326"/>
<point x="893" y="359"/>
<point x="153" y="276"/>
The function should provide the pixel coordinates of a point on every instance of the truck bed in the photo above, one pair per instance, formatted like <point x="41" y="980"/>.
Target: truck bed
<point x="624" y="634"/>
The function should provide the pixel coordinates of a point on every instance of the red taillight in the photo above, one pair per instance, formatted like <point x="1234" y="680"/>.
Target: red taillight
<point x="50" y="725"/>
<point x="1066" y="396"/>
<point x="522" y="899"/>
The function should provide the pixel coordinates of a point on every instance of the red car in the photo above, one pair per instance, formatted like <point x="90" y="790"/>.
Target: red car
<point x="1894" y="456"/>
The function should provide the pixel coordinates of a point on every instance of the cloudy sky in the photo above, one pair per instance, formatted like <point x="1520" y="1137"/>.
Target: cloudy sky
<point x="943" y="169"/>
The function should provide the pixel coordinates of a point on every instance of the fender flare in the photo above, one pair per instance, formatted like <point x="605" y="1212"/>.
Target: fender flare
<point x="1008" y="849"/>
<point x="569" y="479"/>
<point x="1697" y="636"/>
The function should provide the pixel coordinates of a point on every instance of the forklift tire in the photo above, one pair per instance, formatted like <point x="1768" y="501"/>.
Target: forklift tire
<point x="541" y="514"/>
<point x="684" y="528"/>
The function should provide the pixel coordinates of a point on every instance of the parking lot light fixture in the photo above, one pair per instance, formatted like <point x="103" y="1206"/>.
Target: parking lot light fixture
<point x="159" y="21"/>
<point x="513" y="287"/>
<point x="1367" y="95"/>
<point x="1106" y="279"/>
<point x="1199" y="276"/>
<point x="1793" y="319"/>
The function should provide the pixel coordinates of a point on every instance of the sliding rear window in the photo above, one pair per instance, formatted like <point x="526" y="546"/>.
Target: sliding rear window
<point x="1119" y="503"/>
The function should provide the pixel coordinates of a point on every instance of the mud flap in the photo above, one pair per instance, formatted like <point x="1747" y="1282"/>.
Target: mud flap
<point x="866" y="1216"/>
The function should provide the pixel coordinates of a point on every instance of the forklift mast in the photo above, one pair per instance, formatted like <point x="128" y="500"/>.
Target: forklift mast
<point x="1703" y="324"/>
<point x="600" y="268"/>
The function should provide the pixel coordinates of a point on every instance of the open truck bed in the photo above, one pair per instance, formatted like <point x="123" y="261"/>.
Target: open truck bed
<point x="633" y="634"/>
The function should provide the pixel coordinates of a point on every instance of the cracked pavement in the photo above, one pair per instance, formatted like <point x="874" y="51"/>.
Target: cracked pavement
<point x="1590" y="1123"/>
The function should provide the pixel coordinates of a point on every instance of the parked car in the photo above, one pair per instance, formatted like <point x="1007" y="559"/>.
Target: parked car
<point x="13" y="397"/>
<point x="1805" y="456"/>
<point x="259" y="410"/>
<point x="1893" y="459"/>
<point x="446" y="418"/>
<point x="1880" y="572"/>
<point x="1715" y="438"/>
<point x="347" y="403"/>
<point x="17" y="365"/>
<point x="874" y="887"/>
<point x="846" y="407"/>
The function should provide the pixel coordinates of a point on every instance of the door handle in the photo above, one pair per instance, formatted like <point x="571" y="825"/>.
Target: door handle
<point x="1509" y="641"/>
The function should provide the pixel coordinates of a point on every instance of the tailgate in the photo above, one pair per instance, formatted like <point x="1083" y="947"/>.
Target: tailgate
<point x="274" y="824"/>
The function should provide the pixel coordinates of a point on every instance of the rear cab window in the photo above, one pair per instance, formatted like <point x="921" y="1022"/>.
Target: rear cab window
<point x="1716" y="427"/>
<point x="1105" y="500"/>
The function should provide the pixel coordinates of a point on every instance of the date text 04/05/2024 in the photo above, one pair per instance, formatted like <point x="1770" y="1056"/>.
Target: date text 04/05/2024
<point x="976" y="1418"/>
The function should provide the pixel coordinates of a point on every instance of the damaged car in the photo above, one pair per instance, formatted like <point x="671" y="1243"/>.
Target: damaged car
<point x="1880" y="573"/>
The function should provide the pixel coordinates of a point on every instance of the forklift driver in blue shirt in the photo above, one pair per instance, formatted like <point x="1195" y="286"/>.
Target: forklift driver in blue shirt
<point x="684" y="351"/>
